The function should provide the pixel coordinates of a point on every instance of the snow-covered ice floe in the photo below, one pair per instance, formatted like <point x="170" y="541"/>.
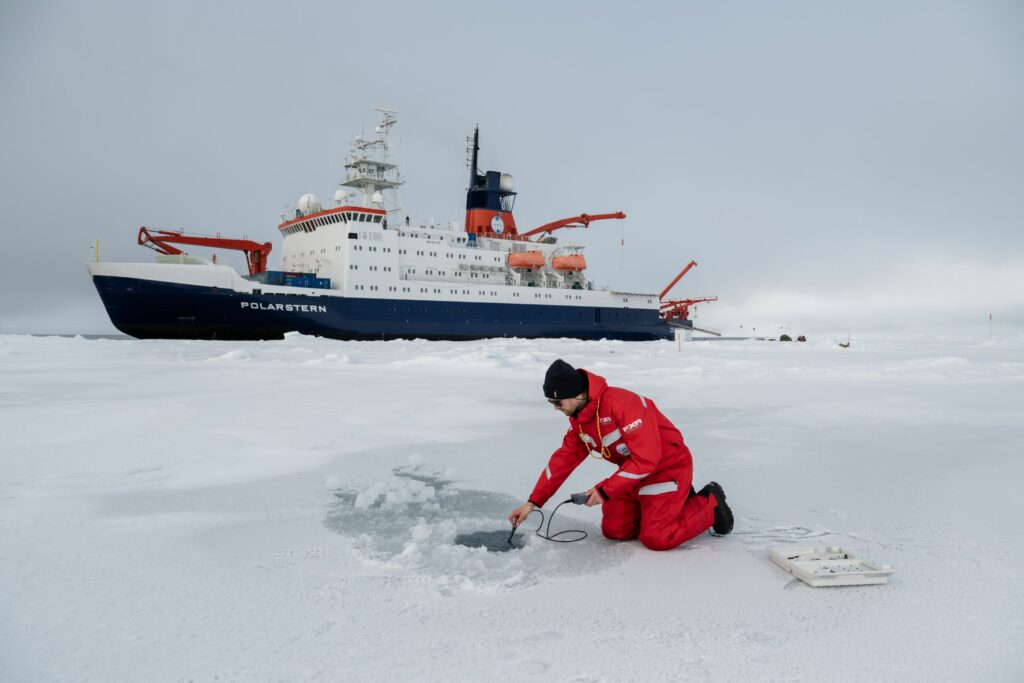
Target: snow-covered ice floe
<point x="181" y="510"/>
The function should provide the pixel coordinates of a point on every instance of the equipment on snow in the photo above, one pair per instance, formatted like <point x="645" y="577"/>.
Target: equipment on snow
<point x="829" y="566"/>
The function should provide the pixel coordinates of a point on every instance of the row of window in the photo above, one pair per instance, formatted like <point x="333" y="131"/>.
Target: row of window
<point x="374" y="236"/>
<point x="353" y="266"/>
<point x="419" y="235"/>
<point x="440" y="273"/>
<point x="359" y="217"/>
<point x="354" y="236"/>
<point x="467" y="292"/>
<point x="343" y="217"/>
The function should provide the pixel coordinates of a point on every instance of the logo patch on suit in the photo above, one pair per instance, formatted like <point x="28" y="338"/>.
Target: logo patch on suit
<point x="606" y="420"/>
<point x="623" y="450"/>
<point x="632" y="425"/>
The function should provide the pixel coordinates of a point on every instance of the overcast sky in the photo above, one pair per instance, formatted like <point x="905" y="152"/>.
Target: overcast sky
<point x="831" y="166"/>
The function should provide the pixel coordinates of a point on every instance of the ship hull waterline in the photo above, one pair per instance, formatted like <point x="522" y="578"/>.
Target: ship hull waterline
<point x="149" y="309"/>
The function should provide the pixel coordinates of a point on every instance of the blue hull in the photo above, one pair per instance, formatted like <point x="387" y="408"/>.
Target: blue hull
<point x="151" y="309"/>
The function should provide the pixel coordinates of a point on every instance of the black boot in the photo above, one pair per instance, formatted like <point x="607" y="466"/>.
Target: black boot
<point x="723" y="515"/>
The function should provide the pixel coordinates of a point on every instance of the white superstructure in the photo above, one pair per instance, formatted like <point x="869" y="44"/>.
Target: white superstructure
<point x="369" y="249"/>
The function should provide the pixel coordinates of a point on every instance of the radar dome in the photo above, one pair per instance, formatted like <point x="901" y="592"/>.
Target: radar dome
<point x="507" y="183"/>
<point x="377" y="198"/>
<point x="339" y="197"/>
<point x="308" y="203"/>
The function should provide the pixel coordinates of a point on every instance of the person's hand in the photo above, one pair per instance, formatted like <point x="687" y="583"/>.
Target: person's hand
<point x="520" y="514"/>
<point x="595" y="498"/>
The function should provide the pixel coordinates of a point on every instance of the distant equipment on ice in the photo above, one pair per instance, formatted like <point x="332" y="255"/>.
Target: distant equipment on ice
<point x="829" y="566"/>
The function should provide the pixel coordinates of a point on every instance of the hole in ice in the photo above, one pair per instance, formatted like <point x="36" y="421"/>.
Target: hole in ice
<point x="494" y="541"/>
<point x="416" y="524"/>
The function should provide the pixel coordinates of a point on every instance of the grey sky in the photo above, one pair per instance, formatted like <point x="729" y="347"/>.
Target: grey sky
<point x="829" y="165"/>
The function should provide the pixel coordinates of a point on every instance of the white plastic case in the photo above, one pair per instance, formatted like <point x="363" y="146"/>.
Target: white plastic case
<point x="829" y="566"/>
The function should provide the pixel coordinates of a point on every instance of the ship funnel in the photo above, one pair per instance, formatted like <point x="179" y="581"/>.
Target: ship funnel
<point x="489" y="200"/>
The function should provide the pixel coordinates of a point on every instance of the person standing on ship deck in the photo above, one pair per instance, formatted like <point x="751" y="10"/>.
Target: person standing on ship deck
<point x="650" y="495"/>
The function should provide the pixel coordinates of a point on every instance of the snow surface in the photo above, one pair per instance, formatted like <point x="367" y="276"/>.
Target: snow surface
<point x="236" y="511"/>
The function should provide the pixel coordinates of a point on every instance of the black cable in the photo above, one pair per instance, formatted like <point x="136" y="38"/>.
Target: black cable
<point x="554" y="538"/>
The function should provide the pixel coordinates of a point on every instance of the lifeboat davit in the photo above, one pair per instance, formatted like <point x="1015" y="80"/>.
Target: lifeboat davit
<point x="574" y="263"/>
<point x="526" y="259"/>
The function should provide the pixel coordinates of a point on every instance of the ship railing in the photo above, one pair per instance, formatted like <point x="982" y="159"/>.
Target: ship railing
<point x="547" y="285"/>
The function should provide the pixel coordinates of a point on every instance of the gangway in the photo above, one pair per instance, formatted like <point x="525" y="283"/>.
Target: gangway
<point x="708" y="330"/>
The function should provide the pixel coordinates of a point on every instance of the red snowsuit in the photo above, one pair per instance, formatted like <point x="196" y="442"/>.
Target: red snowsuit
<point x="648" y="496"/>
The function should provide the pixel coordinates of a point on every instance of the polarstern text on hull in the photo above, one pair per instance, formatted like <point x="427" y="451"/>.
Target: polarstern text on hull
<point x="362" y="269"/>
<point x="298" y="308"/>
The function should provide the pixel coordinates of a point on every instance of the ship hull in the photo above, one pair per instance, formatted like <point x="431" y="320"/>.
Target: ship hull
<point x="166" y="310"/>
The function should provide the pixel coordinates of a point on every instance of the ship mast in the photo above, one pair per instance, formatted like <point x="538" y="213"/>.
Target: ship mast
<point x="474" y="169"/>
<point x="368" y="169"/>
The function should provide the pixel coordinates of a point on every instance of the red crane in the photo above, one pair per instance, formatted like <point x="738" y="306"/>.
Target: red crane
<point x="581" y="221"/>
<point x="679" y="277"/>
<point x="161" y="240"/>
<point x="679" y="309"/>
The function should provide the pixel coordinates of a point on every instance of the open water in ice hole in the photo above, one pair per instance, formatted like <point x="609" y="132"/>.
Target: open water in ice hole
<point x="457" y="538"/>
<point x="494" y="541"/>
<point x="418" y="497"/>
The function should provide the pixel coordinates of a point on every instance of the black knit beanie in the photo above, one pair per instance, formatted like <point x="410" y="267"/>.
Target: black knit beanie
<point x="564" y="381"/>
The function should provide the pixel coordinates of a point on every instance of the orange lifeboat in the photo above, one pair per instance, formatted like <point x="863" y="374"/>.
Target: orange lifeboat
<point x="574" y="263"/>
<point x="526" y="259"/>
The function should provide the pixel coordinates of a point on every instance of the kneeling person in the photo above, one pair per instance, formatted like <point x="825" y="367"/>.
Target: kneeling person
<point x="650" y="496"/>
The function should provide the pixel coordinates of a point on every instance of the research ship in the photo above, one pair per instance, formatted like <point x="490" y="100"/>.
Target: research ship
<point x="361" y="270"/>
